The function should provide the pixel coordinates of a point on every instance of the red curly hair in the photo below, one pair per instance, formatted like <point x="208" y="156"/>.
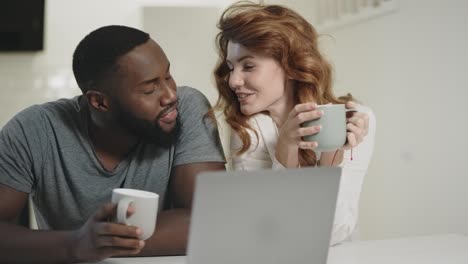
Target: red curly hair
<point x="282" y="34"/>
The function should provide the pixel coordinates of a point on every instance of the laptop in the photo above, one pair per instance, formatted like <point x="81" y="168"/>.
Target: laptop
<point x="263" y="217"/>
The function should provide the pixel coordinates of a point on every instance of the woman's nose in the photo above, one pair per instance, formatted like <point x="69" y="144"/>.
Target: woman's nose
<point x="235" y="80"/>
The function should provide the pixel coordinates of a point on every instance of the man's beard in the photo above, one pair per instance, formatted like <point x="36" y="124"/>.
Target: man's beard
<point x="148" y="131"/>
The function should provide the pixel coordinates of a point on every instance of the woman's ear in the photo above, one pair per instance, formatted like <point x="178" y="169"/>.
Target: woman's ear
<point x="98" y="100"/>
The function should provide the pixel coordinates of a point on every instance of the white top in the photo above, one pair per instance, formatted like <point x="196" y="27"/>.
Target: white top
<point x="262" y="156"/>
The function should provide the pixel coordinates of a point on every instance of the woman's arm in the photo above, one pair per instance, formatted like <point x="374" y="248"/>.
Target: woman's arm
<point x="354" y="169"/>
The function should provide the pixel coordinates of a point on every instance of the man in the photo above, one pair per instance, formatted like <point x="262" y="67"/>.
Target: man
<point x="131" y="128"/>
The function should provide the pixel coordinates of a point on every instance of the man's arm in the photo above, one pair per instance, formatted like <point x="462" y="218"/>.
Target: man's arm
<point x="20" y="243"/>
<point x="96" y="240"/>
<point x="172" y="228"/>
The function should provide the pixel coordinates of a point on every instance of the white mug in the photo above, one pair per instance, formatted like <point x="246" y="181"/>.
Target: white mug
<point x="145" y="205"/>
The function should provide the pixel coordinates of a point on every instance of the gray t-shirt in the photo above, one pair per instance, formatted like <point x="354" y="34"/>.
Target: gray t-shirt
<point x="45" y="151"/>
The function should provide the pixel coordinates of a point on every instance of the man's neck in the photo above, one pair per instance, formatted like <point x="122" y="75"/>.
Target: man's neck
<point x="111" y="143"/>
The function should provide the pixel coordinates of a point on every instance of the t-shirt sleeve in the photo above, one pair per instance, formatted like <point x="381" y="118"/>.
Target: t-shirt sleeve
<point x="197" y="134"/>
<point x="20" y="149"/>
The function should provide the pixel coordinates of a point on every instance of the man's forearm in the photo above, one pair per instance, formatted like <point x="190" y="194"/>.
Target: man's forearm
<point x="20" y="244"/>
<point x="171" y="234"/>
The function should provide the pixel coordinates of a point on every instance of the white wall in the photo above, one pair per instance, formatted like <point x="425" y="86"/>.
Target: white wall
<point x="408" y="66"/>
<point x="411" y="66"/>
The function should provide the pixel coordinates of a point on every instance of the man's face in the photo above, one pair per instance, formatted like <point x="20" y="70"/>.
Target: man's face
<point x="145" y="101"/>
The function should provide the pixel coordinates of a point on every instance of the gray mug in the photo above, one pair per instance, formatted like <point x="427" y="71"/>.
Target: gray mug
<point x="332" y="136"/>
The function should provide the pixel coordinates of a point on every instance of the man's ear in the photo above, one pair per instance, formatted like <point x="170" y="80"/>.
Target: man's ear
<point x="98" y="100"/>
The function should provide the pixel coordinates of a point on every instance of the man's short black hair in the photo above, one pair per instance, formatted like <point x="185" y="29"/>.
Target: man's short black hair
<point x="98" y="52"/>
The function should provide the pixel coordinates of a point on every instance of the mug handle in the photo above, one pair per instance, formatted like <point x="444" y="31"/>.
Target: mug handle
<point x="122" y="208"/>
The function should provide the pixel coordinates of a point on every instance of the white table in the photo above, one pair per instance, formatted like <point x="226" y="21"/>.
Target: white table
<point x="450" y="249"/>
<point x="443" y="249"/>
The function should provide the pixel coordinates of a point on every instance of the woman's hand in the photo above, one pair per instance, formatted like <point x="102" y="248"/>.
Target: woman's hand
<point x="357" y="127"/>
<point x="291" y="133"/>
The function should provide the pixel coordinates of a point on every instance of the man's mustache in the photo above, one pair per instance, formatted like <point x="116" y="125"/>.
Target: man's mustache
<point x="167" y="109"/>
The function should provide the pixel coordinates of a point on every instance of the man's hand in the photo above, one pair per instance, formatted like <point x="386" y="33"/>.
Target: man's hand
<point x="98" y="239"/>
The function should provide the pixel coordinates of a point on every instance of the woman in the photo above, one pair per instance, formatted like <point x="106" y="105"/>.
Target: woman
<point x="271" y="77"/>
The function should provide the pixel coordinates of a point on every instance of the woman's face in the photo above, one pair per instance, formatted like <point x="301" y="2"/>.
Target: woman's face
<point x="258" y="81"/>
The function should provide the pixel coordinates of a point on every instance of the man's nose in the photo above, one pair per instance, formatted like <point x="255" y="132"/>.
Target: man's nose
<point x="169" y="95"/>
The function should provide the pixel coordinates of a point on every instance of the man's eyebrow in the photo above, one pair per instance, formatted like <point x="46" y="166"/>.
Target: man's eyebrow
<point x="150" y="81"/>
<point x="157" y="78"/>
